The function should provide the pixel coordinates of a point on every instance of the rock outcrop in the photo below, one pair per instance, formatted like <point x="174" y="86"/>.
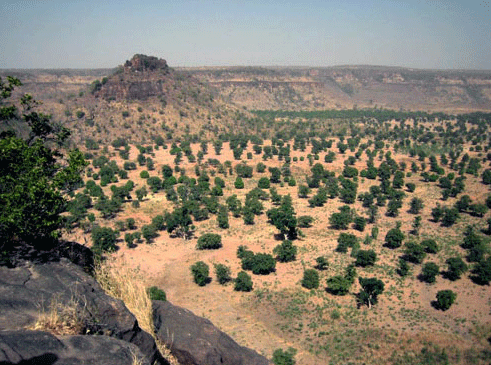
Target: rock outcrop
<point x="100" y="328"/>
<point x="26" y="292"/>
<point x="37" y="347"/>
<point x="194" y="340"/>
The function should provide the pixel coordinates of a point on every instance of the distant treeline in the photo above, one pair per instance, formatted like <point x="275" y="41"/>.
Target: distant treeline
<point x="379" y="114"/>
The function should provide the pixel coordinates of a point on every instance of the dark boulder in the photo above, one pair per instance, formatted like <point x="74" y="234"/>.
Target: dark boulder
<point x="37" y="347"/>
<point x="196" y="341"/>
<point x="27" y="291"/>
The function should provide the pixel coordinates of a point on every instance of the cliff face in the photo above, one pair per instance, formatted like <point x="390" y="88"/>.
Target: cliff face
<point x="349" y="86"/>
<point x="140" y="78"/>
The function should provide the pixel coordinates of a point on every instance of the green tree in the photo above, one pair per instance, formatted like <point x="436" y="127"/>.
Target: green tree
<point x="310" y="279"/>
<point x="455" y="268"/>
<point x="34" y="177"/>
<point x="200" y="272"/>
<point x="429" y="272"/>
<point x="222" y="217"/>
<point x="243" y="282"/>
<point x="365" y="258"/>
<point x="222" y="273"/>
<point x="209" y="241"/>
<point x="394" y="238"/>
<point x="444" y="299"/>
<point x="285" y="251"/>
<point x="155" y="293"/>
<point x="287" y="357"/>
<point x="414" y="252"/>
<point x="283" y="218"/>
<point x="104" y="240"/>
<point x="371" y="289"/>
<point x="416" y="205"/>
<point x="239" y="183"/>
<point x="321" y="263"/>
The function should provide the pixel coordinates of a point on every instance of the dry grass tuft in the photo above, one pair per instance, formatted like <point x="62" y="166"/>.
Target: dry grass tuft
<point x="126" y="284"/>
<point x="62" y="318"/>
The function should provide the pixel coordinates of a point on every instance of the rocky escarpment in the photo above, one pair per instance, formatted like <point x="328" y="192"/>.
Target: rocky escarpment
<point x="55" y="313"/>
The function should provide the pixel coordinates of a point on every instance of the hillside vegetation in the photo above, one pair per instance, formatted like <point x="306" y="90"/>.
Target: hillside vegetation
<point x="310" y="234"/>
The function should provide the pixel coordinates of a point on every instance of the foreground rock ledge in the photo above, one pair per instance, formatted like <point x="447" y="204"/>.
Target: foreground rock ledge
<point x="116" y="338"/>
<point x="195" y="340"/>
<point x="37" y="347"/>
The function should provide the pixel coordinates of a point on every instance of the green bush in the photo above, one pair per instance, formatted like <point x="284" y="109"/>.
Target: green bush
<point x="287" y="357"/>
<point x="310" y="279"/>
<point x="243" y="282"/>
<point x="429" y="272"/>
<point x="155" y="293"/>
<point x="209" y="241"/>
<point x="365" y="258"/>
<point x="286" y="251"/>
<point x="223" y="273"/>
<point x="200" y="272"/>
<point x="444" y="299"/>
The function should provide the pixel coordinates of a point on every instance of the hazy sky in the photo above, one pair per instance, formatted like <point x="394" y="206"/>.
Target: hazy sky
<point x="89" y="34"/>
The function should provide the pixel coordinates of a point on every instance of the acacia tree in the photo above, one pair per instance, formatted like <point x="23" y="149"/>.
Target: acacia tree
<point x="371" y="289"/>
<point x="34" y="175"/>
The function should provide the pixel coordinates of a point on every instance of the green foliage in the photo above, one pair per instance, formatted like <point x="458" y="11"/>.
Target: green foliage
<point x="414" y="252"/>
<point x="338" y="285"/>
<point x="200" y="272"/>
<point x="286" y="251"/>
<point x="287" y="357"/>
<point x="403" y="268"/>
<point x="209" y="241"/>
<point x="430" y="246"/>
<point x="33" y="177"/>
<point x="321" y="263"/>
<point x="263" y="183"/>
<point x="310" y="279"/>
<point x="342" y="219"/>
<point x="455" y="268"/>
<point x="371" y="289"/>
<point x="346" y="240"/>
<point x="283" y="218"/>
<point x="104" y="240"/>
<point x="394" y="238"/>
<point x="243" y="282"/>
<point x="222" y="273"/>
<point x="259" y="264"/>
<point x="155" y="293"/>
<point x="222" y="217"/>
<point x="429" y="272"/>
<point x="365" y="258"/>
<point x="239" y="183"/>
<point x="305" y="221"/>
<point x="444" y="299"/>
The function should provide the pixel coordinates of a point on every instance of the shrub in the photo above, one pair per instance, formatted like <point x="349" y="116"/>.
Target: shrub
<point x="365" y="258"/>
<point x="346" y="240"/>
<point x="394" y="238"/>
<point x="263" y="183"/>
<point x="429" y="272"/>
<point x="104" y="240"/>
<point x="287" y="357"/>
<point x="305" y="221"/>
<point x="243" y="282"/>
<point x="209" y="241"/>
<point x="456" y="267"/>
<point x="321" y="263"/>
<point x="239" y="183"/>
<point x="286" y="251"/>
<point x="155" y="293"/>
<point x="444" y="299"/>
<point x="430" y="245"/>
<point x="201" y="272"/>
<point x="414" y="252"/>
<point x="144" y="174"/>
<point x="223" y="273"/>
<point x="310" y="279"/>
